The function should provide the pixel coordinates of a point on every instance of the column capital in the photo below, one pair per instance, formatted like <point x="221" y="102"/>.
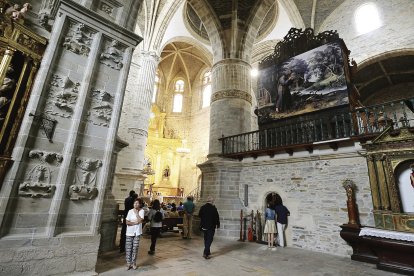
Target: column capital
<point x="150" y="54"/>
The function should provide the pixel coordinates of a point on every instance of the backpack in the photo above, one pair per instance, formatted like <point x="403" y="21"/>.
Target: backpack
<point x="157" y="216"/>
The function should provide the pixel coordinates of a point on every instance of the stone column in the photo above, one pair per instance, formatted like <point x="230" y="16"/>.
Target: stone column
<point x="230" y="102"/>
<point x="134" y="122"/>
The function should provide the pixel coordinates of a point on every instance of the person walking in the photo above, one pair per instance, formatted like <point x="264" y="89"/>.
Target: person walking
<point x="270" y="226"/>
<point x="134" y="221"/>
<point x="155" y="216"/>
<point x="209" y="220"/>
<point x="282" y="213"/>
<point x="188" y="207"/>
<point x="128" y="205"/>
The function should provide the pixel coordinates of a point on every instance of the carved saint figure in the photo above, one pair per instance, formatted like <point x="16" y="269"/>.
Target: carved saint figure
<point x="412" y="175"/>
<point x="6" y="93"/>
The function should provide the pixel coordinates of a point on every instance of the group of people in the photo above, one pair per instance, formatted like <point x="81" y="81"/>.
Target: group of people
<point x="276" y="212"/>
<point x="134" y="216"/>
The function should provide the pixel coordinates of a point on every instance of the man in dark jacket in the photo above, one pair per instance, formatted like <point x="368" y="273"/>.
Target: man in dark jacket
<point x="129" y="204"/>
<point x="209" y="220"/>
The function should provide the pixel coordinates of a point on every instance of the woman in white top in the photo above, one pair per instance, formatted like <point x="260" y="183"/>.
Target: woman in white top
<point x="134" y="221"/>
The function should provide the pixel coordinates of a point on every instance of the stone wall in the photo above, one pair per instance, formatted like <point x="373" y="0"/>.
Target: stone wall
<point x="394" y="34"/>
<point x="49" y="256"/>
<point x="311" y="188"/>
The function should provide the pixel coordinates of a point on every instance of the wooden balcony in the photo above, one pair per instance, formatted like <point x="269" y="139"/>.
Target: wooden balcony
<point x="361" y="124"/>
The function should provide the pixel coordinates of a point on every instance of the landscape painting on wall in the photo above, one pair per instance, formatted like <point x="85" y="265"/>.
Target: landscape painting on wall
<point x="308" y="82"/>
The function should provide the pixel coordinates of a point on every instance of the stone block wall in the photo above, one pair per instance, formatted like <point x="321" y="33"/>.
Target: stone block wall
<point x="395" y="33"/>
<point x="49" y="256"/>
<point x="311" y="188"/>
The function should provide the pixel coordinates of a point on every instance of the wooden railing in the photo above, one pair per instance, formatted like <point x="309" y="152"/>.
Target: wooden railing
<point x="360" y="123"/>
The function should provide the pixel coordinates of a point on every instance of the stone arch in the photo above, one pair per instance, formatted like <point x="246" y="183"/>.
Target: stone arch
<point x="253" y="24"/>
<point x="395" y="71"/>
<point x="293" y="13"/>
<point x="212" y="25"/>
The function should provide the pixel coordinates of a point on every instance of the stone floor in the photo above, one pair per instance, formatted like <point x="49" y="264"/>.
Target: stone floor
<point x="175" y="256"/>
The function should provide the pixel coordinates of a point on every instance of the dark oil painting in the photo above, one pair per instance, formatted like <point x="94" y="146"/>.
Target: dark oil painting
<point x="308" y="82"/>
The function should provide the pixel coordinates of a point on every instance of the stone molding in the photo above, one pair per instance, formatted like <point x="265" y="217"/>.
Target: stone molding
<point x="233" y="93"/>
<point x="138" y="131"/>
<point x="150" y="54"/>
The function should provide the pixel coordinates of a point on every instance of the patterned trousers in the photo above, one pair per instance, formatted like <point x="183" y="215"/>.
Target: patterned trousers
<point x="131" y="249"/>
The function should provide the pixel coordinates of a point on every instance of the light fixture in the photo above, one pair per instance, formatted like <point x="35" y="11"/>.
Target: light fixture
<point x="254" y="72"/>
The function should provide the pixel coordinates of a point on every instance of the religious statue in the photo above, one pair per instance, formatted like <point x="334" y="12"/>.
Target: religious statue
<point x="412" y="175"/>
<point x="6" y="93"/>
<point x="16" y="13"/>
<point x="166" y="172"/>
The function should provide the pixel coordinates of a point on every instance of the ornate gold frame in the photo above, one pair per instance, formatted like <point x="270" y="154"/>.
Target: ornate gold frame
<point x="390" y="149"/>
<point x="16" y="40"/>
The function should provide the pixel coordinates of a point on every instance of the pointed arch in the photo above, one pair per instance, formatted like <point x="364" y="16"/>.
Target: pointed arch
<point x="212" y="25"/>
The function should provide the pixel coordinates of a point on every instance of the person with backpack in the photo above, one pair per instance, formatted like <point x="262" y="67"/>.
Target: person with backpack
<point x="155" y="216"/>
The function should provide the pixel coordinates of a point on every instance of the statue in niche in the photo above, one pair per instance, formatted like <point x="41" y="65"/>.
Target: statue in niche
<point x="85" y="181"/>
<point x="79" y="42"/>
<point x="113" y="56"/>
<point x="412" y="175"/>
<point x="6" y="93"/>
<point x="166" y="172"/>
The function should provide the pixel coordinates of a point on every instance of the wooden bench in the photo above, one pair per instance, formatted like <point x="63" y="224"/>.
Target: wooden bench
<point x="172" y="224"/>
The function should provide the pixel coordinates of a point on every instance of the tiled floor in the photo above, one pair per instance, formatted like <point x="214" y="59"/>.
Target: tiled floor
<point x="175" y="256"/>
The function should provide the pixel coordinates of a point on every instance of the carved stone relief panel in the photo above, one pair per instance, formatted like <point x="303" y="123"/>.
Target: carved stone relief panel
<point x="37" y="182"/>
<point x="101" y="108"/>
<point x="113" y="55"/>
<point x="79" y="39"/>
<point x="62" y="97"/>
<point x="109" y="8"/>
<point x="84" y="186"/>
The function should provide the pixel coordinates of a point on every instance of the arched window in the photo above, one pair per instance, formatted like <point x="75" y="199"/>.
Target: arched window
<point x="367" y="18"/>
<point x="206" y="90"/>
<point x="178" y="96"/>
<point x="156" y="85"/>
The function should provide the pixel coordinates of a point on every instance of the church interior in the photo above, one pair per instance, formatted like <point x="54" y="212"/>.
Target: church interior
<point x="245" y="101"/>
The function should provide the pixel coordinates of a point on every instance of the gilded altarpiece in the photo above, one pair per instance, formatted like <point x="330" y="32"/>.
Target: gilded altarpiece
<point x="21" y="51"/>
<point x="390" y="159"/>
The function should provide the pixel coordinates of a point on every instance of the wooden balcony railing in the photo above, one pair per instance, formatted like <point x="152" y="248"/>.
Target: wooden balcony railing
<point x="361" y="123"/>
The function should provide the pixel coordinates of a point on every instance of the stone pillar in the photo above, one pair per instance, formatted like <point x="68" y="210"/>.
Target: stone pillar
<point x="230" y="102"/>
<point x="52" y="200"/>
<point x="134" y="122"/>
<point x="221" y="180"/>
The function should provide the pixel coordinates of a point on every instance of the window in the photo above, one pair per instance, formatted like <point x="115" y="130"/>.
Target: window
<point x="155" y="92"/>
<point x="206" y="89"/>
<point x="178" y="103"/>
<point x="178" y="96"/>
<point x="367" y="18"/>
